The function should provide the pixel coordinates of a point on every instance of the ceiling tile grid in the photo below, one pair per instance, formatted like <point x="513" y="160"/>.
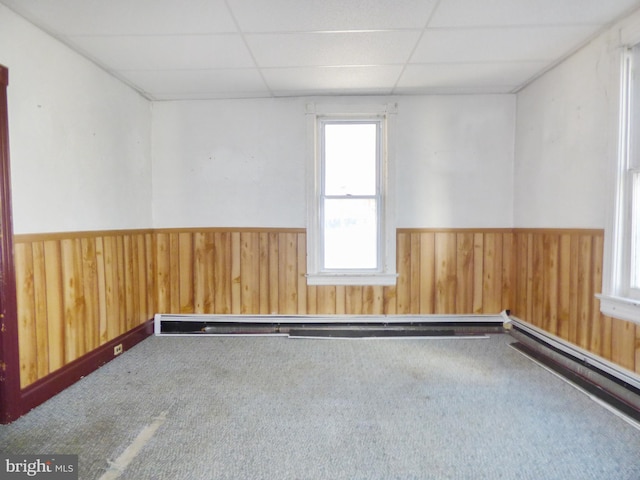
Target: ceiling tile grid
<point x="199" y="49"/>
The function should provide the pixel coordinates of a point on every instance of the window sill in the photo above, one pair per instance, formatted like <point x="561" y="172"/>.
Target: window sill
<point x="620" y="307"/>
<point x="385" y="279"/>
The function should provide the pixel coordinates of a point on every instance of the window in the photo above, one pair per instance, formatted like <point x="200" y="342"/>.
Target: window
<point x="621" y="279"/>
<point x="351" y="232"/>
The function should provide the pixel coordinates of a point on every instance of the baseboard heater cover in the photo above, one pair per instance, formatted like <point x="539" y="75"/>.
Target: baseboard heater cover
<point x="601" y="378"/>
<point x="342" y="326"/>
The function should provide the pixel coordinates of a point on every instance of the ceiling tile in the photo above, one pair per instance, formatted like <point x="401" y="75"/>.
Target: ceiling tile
<point x="459" y="13"/>
<point x="333" y="79"/>
<point x="497" y="44"/>
<point x="232" y="48"/>
<point x="330" y="15"/>
<point x="466" y="76"/>
<point x="327" y="49"/>
<point x="125" y="17"/>
<point x="166" y="52"/>
<point x="222" y="83"/>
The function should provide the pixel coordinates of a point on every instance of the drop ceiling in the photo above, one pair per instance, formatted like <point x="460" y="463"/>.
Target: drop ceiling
<point x="197" y="49"/>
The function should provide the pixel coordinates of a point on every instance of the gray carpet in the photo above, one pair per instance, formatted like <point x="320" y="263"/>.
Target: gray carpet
<point x="278" y="408"/>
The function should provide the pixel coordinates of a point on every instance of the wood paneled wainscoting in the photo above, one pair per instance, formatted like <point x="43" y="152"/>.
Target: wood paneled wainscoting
<point x="557" y="274"/>
<point x="77" y="292"/>
<point x="253" y="271"/>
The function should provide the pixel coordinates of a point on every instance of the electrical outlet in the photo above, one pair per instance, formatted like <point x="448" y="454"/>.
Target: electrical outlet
<point x="117" y="350"/>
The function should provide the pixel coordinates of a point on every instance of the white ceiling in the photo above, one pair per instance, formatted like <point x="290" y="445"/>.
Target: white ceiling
<point x="196" y="49"/>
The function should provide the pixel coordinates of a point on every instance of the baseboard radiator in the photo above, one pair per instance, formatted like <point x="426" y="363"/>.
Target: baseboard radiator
<point x="346" y="326"/>
<point x="605" y="380"/>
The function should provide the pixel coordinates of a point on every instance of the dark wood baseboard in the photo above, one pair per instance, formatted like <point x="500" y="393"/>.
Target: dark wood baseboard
<point x="45" y="388"/>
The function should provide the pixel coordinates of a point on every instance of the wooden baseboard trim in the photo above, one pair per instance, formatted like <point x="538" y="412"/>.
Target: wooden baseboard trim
<point x="45" y="388"/>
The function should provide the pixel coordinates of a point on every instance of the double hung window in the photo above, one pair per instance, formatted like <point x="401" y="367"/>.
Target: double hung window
<point x="621" y="282"/>
<point x="351" y="235"/>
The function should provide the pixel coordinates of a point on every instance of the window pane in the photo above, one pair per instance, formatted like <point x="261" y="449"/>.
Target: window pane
<point x="350" y="151"/>
<point x="635" y="232"/>
<point x="350" y="234"/>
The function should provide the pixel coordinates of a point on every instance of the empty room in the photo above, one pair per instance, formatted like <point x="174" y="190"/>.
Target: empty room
<point x="304" y="239"/>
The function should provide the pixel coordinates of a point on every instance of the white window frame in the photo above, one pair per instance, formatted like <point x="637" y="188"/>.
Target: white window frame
<point x="386" y="274"/>
<point x="619" y="299"/>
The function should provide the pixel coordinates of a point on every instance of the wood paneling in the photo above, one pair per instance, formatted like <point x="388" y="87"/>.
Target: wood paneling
<point x="78" y="292"/>
<point x="556" y="276"/>
<point x="258" y="271"/>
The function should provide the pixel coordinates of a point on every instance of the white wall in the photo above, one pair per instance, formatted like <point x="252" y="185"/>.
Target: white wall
<point x="83" y="155"/>
<point x="229" y="163"/>
<point x="455" y="161"/>
<point x="566" y="140"/>
<point x="79" y="138"/>
<point x="242" y="163"/>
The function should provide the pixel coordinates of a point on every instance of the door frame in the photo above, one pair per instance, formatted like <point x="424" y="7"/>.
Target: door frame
<point x="10" y="394"/>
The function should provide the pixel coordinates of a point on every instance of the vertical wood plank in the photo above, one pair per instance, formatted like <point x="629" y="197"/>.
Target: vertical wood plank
<point x="144" y="313"/>
<point x="353" y="301"/>
<point x="403" y="285"/>
<point x="249" y="272"/>
<point x="312" y="300"/>
<point x="584" y="291"/>
<point x="377" y="300"/>
<point x="40" y="303"/>
<point x="445" y="260"/>
<point x="122" y="285"/>
<point x="201" y="294"/>
<point x="222" y="274"/>
<point x="287" y="273"/>
<point x="389" y="303"/>
<point x="27" y="343"/>
<point x="492" y="263"/>
<point x="415" y="273"/>
<point x="623" y="337"/>
<point x="55" y="310"/>
<point x="264" y="285"/>
<point x="519" y="307"/>
<point x="72" y="299"/>
<point x="508" y="271"/>
<point x="186" y="281"/>
<point x="151" y="273"/>
<point x="537" y="276"/>
<point x="127" y="255"/>
<point x="301" y="288"/>
<point x="573" y="290"/>
<point x="601" y="325"/>
<point x="564" y="297"/>
<point x="236" y="287"/>
<point x="464" y="273"/>
<point x="274" y="273"/>
<point x="341" y="299"/>
<point x="478" y="272"/>
<point x="550" y="285"/>
<point x="326" y="299"/>
<point x="427" y="273"/>
<point x="90" y="292"/>
<point x="101" y="324"/>
<point x="530" y="277"/>
<point x="163" y="278"/>
<point x="174" y="273"/>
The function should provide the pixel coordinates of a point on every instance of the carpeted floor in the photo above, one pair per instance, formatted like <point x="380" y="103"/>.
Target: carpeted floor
<point x="278" y="408"/>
